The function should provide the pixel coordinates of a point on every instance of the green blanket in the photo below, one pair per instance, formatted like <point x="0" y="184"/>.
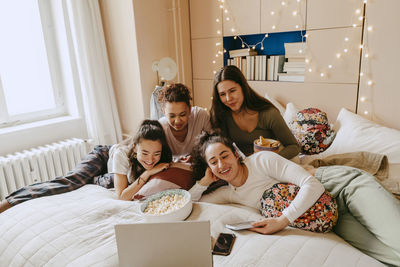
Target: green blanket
<point x="369" y="215"/>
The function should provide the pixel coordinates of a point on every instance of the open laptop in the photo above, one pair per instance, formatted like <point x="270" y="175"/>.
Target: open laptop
<point x="186" y="243"/>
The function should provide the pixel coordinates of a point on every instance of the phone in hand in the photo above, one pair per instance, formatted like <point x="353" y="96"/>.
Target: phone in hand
<point x="224" y="244"/>
<point x="240" y="226"/>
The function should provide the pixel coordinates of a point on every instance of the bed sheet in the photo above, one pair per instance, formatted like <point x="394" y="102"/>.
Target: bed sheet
<point x="77" y="229"/>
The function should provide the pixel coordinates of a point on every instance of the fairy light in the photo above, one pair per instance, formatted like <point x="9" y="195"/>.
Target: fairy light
<point x="283" y="3"/>
<point x="307" y="60"/>
<point x="273" y="27"/>
<point x="228" y="19"/>
<point x="358" y="11"/>
<point x="338" y="55"/>
<point x="370" y="28"/>
<point x="366" y="112"/>
<point x="345" y="50"/>
<point x="322" y="74"/>
<point x="294" y="13"/>
<point x="217" y="20"/>
<point x="363" y="98"/>
<point x="330" y="66"/>
<point x="369" y="82"/>
<point x="214" y="61"/>
<point x="310" y="70"/>
<point x="354" y="25"/>
<point x="366" y="55"/>
<point x="346" y="39"/>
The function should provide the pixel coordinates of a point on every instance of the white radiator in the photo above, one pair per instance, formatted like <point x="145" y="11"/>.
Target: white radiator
<point x="40" y="164"/>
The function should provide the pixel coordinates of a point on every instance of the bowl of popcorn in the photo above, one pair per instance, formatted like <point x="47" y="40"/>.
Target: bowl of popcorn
<point x="266" y="144"/>
<point x="167" y="206"/>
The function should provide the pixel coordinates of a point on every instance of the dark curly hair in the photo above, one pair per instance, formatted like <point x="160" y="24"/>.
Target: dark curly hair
<point x="252" y="100"/>
<point x="176" y="92"/>
<point x="198" y="157"/>
<point x="148" y="130"/>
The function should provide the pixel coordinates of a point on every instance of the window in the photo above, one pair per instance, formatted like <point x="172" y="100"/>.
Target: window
<point x="40" y="97"/>
<point x="29" y="85"/>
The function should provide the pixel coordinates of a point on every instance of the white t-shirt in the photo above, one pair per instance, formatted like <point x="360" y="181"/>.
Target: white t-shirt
<point x="266" y="169"/>
<point x="199" y="120"/>
<point x="118" y="161"/>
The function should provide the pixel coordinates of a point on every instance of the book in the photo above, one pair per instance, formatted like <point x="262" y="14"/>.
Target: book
<point x="287" y="77"/>
<point x="270" y="68"/>
<point x="242" y="52"/>
<point x="278" y="66"/>
<point x="295" y="50"/>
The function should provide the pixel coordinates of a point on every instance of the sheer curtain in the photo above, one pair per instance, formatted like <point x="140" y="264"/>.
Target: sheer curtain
<point x="93" y="70"/>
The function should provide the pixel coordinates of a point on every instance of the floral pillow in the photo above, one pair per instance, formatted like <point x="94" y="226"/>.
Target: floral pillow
<point x="320" y="218"/>
<point x="312" y="131"/>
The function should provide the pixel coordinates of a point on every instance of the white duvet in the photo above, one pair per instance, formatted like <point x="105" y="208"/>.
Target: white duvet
<point x="77" y="229"/>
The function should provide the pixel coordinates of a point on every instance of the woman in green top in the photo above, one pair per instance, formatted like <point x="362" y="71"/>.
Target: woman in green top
<point x="241" y="114"/>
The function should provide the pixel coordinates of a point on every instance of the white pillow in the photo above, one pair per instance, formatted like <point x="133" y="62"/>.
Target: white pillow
<point x="275" y="103"/>
<point x="355" y="133"/>
<point x="290" y="113"/>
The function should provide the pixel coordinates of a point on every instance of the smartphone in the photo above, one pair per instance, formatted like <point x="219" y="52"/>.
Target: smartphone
<point x="224" y="244"/>
<point x="240" y="226"/>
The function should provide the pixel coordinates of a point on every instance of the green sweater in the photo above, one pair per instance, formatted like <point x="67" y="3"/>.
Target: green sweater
<point x="270" y="125"/>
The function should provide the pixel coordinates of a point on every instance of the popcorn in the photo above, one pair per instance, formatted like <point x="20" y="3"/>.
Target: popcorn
<point x="166" y="204"/>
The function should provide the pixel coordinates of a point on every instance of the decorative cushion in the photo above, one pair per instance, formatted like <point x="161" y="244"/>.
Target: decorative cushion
<point x="312" y="131"/>
<point x="320" y="218"/>
<point x="171" y="178"/>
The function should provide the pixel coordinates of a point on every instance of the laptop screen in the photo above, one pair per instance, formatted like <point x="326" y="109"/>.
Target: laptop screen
<point x="186" y="243"/>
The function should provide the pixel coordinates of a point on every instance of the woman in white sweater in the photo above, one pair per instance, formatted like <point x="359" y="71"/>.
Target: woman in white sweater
<point x="368" y="214"/>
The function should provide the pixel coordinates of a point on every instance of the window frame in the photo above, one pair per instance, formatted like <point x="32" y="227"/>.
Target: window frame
<point x="47" y="14"/>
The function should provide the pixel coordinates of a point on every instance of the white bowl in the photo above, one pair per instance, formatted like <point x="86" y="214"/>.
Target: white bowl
<point x="176" y="215"/>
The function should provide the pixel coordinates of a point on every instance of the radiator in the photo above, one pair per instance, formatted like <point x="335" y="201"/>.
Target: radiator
<point x="40" y="164"/>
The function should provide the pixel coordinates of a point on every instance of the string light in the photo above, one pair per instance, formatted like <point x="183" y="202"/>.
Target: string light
<point x="363" y="98"/>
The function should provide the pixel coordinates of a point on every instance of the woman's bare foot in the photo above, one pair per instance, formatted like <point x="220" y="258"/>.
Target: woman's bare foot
<point x="4" y="205"/>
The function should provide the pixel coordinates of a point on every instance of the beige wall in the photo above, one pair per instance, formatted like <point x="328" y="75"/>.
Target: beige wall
<point x="382" y="64"/>
<point x="138" y="33"/>
<point x="328" y="23"/>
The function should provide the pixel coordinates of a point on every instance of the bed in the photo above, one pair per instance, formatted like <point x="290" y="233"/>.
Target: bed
<point x="77" y="228"/>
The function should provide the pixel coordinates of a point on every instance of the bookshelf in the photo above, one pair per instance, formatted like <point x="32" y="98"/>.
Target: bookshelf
<point x="272" y="47"/>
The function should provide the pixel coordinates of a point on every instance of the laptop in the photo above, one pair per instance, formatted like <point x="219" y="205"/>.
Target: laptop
<point x="185" y="243"/>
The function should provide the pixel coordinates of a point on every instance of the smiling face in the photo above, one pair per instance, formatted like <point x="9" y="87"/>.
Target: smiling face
<point x="148" y="153"/>
<point x="222" y="161"/>
<point x="231" y="94"/>
<point x="177" y="114"/>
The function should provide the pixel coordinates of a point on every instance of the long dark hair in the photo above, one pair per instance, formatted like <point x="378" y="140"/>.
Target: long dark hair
<point x="252" y="100"/>
<point x="148" y="130"/>
<point x="198" y="157"/>
<point x="175" y="92"/>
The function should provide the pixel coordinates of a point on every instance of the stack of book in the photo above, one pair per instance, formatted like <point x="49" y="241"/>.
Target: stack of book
<point x="295" y="66"/>
<point x="256" y="67"/>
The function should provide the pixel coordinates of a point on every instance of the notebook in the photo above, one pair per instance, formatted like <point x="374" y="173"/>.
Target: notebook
<point x="186" y="243"/>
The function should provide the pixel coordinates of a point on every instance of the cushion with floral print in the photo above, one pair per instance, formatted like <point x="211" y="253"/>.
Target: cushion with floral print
<point x="320" y="218"/>
<point x="312" y="131"/>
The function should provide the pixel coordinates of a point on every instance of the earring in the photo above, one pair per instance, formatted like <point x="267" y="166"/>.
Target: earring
<point x="135" y="155"/>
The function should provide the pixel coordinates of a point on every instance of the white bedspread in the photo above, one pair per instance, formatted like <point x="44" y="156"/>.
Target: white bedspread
<point x="77" y="229"/>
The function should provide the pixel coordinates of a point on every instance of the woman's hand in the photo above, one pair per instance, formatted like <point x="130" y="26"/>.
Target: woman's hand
<point x="156" y="169"/>
<point x="208" y="178"/>
<point x="270" y="225"/>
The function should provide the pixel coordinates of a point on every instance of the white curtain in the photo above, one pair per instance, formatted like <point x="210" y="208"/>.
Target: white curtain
<point x="94" y="73"/>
